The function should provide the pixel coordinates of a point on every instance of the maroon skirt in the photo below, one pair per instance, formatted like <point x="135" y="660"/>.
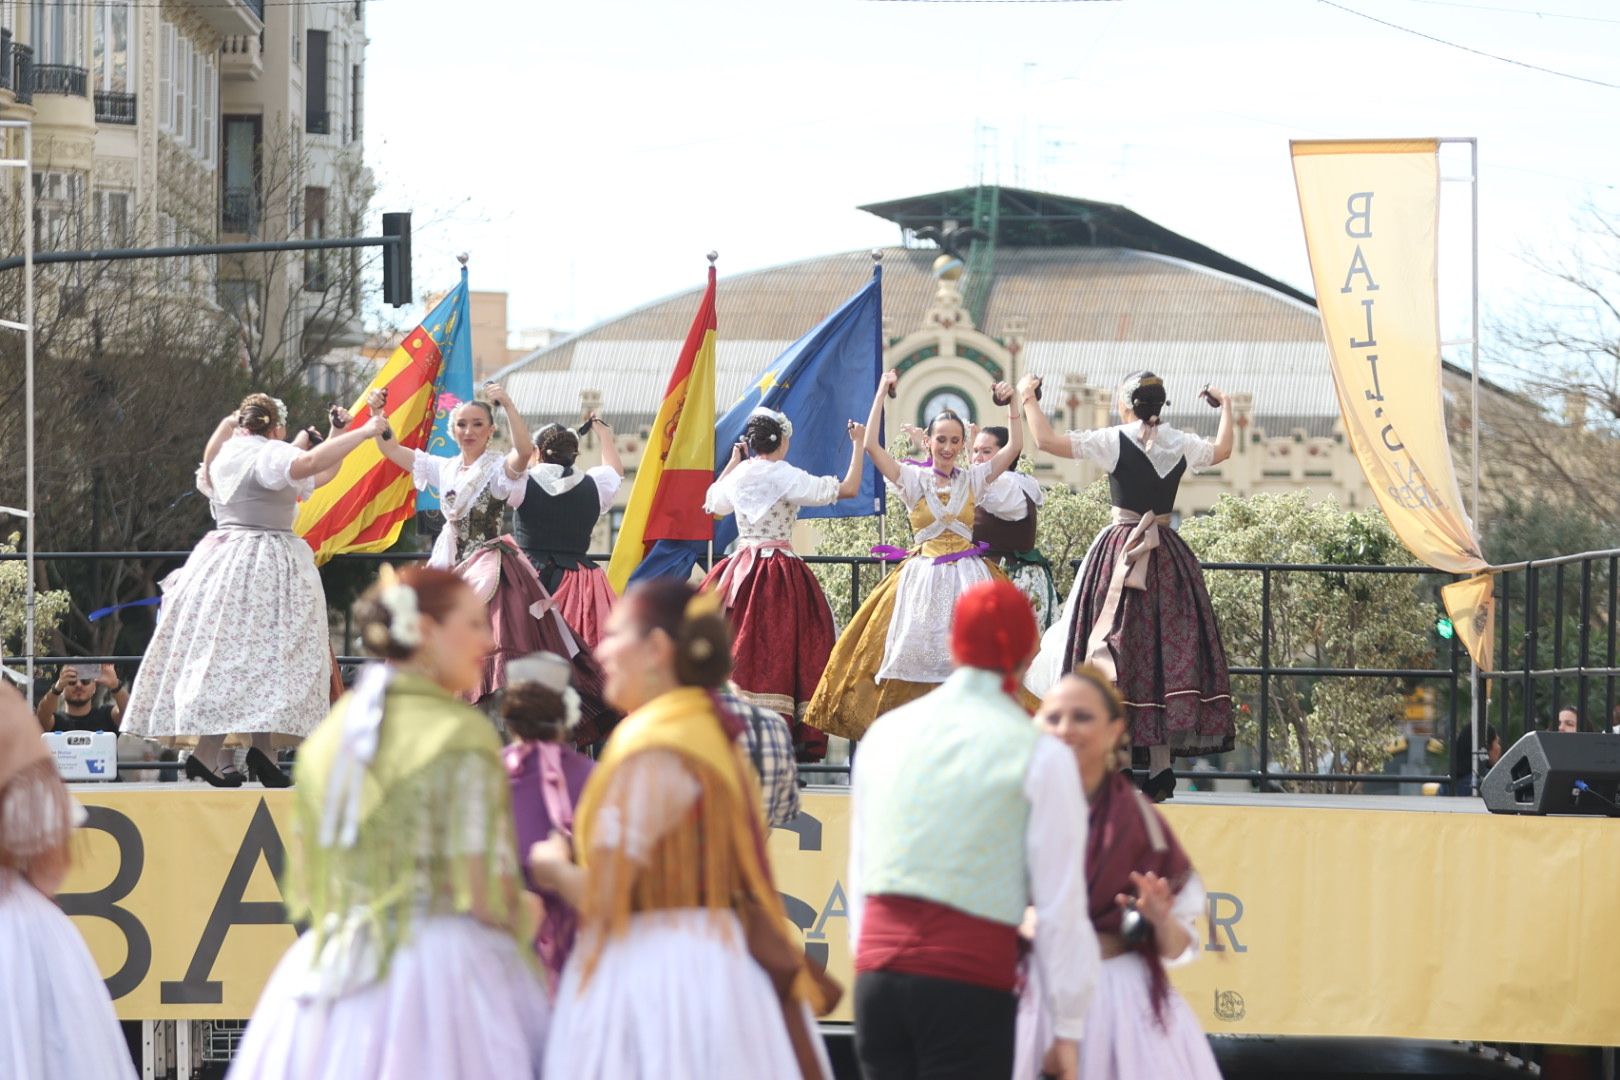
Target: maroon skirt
<point x="518" y="633"/>
<point x="1166" y="646"/>
<point x="782" y="635"/>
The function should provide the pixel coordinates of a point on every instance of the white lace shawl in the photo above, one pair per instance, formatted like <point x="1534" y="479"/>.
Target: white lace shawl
<point x="269" y="461"/>
<point x="1170" y="445"/>
<point x="757" y="485"/>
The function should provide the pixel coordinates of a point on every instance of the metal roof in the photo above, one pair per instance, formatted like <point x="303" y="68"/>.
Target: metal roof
<point x="1100" y="312"/>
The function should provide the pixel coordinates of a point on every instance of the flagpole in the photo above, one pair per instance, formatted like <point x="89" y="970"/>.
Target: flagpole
<point x="883" y="493"/>
<point x="714" y="257"/>
<point x="1475" y="683"/>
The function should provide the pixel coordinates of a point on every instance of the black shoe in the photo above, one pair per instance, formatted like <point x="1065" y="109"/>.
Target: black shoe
<point x="265" y="771"/>
<point x="196" y="770"/>
<point x="1161" y="786"/>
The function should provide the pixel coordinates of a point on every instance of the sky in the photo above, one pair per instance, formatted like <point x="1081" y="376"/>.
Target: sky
<point x="588" y="154"/>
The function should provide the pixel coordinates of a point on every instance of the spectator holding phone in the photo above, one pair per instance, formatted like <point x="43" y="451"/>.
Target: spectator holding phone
<point x="69" y="705"/>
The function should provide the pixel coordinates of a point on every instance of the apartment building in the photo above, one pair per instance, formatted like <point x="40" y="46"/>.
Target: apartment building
<point x="189" y="120"/>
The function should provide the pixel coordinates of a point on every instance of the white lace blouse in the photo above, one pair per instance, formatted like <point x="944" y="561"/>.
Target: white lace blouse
<point x="1170" y="445"/>
<point x="766" y="496"/>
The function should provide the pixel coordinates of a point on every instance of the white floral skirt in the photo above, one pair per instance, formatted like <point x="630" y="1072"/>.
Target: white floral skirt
<point x="918" y="647"/>
<point x="241" y="645"/>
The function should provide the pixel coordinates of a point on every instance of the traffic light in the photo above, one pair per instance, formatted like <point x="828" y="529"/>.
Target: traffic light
<point x="397" y="259"/>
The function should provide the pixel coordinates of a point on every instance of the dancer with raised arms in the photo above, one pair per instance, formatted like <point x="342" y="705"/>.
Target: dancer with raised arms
<point x="247" y="609"/>
<point x="1006" y="520"/>
<point x="895" y="649"/>
<point x="782" y="623"/>
<point x="1139" y="610"/>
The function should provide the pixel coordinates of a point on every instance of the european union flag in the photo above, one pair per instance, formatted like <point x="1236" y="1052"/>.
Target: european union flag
<point x="824" y="380"/>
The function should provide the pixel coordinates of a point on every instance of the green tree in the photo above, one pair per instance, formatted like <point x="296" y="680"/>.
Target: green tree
<point x="1317" y="620"/>
<point x="49" y="605"/>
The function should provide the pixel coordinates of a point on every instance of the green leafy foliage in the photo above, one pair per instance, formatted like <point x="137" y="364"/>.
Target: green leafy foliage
<point x="49" y="605"/>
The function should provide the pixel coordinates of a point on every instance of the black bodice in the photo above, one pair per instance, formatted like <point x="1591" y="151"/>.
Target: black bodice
<point x="557" y="528"/>
<point x="1136" y="486"/>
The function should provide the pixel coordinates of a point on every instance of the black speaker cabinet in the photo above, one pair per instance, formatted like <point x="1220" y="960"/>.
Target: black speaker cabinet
<point x="1539" y="774"/>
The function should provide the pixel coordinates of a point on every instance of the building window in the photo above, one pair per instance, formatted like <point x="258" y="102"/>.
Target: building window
<point x="182" y="91"/>
<point x="113" y="217"/>
<point x="58" y="202"/>
<point x="239" y="175"/>
<point x="239" y="298"/>
<point x="317" y="109"/>
<point x="316" y="278"/>
<point x="58" y="36"/>
<point x="112" y="59"/>
<point x="354" y="101"/>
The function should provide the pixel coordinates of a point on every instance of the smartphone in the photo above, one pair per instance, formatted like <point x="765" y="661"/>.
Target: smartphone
<point x="87" y="672"/>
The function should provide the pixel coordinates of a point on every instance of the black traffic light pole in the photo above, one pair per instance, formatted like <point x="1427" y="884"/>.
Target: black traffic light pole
<point x="395" y="242"/>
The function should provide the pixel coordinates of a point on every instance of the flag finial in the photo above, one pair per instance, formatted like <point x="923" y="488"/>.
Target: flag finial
<point x="462" y="258"/>
<point x="877" y="255"/>
<point x="712" y="256"/>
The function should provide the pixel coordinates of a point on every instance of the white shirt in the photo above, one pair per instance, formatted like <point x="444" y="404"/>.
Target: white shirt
<point x="1066" y="950"/>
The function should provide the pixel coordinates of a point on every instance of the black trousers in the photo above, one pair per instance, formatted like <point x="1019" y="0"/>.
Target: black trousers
<point x="913" y="1027"/>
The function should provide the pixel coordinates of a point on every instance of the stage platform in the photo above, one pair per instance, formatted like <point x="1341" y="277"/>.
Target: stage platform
<point x="1340" y="916"/>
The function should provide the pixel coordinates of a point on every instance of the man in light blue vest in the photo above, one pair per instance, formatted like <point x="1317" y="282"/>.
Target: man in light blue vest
<point x="964" y="816"/>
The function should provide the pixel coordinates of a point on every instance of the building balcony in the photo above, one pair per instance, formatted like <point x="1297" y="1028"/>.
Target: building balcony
<point x="113" y="107"/>
<point x="62" y="79"/>
<point x="329" y="328"/>
<point x="242" y="57"/>
<point x="231" y="17"/>
<point x="239" y="211"/>
<point x="317" y="123"/>
<point x="18" y="61"/>
<point x="6" y="82"/>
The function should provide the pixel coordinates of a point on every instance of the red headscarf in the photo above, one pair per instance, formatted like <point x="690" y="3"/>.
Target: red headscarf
<point x="993" y="629"/>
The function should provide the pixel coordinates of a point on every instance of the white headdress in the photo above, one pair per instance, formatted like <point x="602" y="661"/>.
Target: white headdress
<point x="552" y="672"/>
<point x="771" y="414"/>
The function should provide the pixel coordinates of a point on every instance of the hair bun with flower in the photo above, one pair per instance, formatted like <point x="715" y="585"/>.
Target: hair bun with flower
<point x="404" y="613"/>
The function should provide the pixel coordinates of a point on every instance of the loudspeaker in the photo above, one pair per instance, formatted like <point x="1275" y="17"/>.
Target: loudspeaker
<point x="1538" y="775"/>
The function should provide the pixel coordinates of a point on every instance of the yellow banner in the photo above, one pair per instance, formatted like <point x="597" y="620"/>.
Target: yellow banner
<point x="1371" y="217"/>
<point x="1378" y="922"/>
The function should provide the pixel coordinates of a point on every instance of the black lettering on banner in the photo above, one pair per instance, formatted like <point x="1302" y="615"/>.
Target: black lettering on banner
<point x="1358" y="265"/>
<point x="807" y="827"/>
<point x="1363" y="215"/>
<point x="1371" y="342"/>
<point x="103" y="903"/>
<point x="1227" y="922"/>
<point x="260" y="840"/>
<point x="1377" y="392"/>
<point x="1394" y="444"/>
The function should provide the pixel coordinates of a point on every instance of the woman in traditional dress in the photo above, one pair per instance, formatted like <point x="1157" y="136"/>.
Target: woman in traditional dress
<point x="1143" y="616"/>
<point x="402" y="863"/>
<point x="475" y="487"/>
<point x="546" y="776"/>
<point x="559" y="512"/>
<point x="58" y="1020"/>
<point x="684" y="966"/>
<point x="896" y="648"/>
<point x="1006" y="520"/>
<point x="1145" y="900"/>
<point x="243" y="645"/>
<point x="782" y="622"/>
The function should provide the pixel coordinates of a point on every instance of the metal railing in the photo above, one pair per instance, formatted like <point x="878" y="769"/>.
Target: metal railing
<point x="21" y="62"/>
<point x="1541" y="666"/>
<point x="61" y="79"/>
<point x="239" y="210"/>
<point x="115" y="107"/>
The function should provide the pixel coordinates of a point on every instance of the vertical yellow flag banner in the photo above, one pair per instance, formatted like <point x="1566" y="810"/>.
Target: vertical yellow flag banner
<point x="1371" y="217"/>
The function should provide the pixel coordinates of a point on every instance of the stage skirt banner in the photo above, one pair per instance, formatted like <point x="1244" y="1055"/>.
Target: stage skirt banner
<point x="1371" y="216"/>
<point x="1322" y="921"/>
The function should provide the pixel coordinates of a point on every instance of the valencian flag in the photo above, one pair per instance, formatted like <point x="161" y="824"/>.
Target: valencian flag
<point x="677" y="465"/>
<point x="366" y="504"/>
<point x="823" y="381"/>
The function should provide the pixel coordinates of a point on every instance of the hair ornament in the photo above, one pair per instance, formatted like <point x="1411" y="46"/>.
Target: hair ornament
<point x="281" y="419"/>
<point x="705" y="602"/>
<point x="404" y="614"/>
<point x="555" y="674"/>
<point x="771" y="414"/>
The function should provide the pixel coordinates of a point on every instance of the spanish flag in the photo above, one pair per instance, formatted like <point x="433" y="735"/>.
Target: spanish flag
<point x="677" y="466"/>
<point x="368" y="502"/>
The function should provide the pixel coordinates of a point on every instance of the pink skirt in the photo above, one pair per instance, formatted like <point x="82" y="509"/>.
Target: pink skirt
<point x="584" y="599"/>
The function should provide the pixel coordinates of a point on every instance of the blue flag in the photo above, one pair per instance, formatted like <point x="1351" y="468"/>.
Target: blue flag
<point x="823" y="381"/>
<point x="455" y="378"/>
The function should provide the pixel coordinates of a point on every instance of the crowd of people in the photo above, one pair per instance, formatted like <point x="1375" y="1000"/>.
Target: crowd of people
<point x="1014" y="899"/>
